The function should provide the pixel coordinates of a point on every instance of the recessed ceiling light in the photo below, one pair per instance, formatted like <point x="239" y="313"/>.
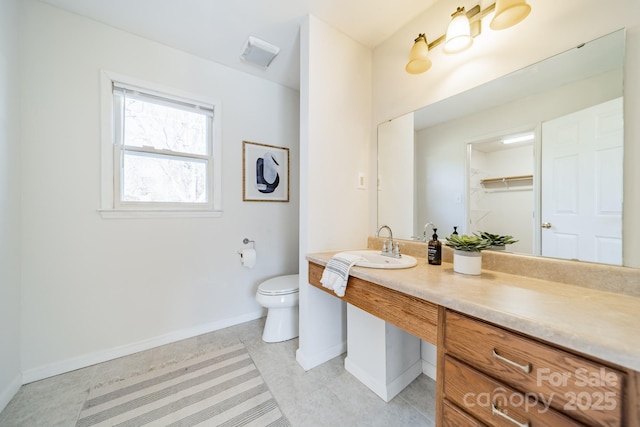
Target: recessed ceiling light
<point x="519" y="138"/>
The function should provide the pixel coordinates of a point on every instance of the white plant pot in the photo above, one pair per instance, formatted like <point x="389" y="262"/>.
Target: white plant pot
<point x="467" y="262"/>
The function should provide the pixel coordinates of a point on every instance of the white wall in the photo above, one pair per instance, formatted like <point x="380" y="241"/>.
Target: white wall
<point x="10" y="378"/>
<point x="97" y="288"/>
<point x="395" y="177"/>
<point x="335" y="117"/>
<point x="551" y="28"/>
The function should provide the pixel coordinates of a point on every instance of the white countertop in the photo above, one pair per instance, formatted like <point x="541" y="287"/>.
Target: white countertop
<point x="601" y="324"/>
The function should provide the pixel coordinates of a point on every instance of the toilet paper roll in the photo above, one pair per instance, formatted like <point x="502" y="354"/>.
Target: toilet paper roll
<point x="248" y="257"/>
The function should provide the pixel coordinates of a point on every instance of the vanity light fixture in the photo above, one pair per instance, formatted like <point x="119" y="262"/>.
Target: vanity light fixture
<point x="419" y="61"/>
<point x="509" y="13"/>
<point x="464" y="26"/>
<point x="458" y="33"/>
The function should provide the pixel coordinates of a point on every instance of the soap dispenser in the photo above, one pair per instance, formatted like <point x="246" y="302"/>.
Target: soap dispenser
<point x="434" y="249"/>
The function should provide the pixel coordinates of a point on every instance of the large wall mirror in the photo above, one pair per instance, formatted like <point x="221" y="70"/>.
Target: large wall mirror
<point x="558" y="190"/>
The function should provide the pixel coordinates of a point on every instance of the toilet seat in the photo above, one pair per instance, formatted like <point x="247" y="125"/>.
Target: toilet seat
<point x="281" y="285"/>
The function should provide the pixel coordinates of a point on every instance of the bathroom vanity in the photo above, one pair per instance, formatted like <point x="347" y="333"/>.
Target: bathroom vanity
<point x="513" y="350"/>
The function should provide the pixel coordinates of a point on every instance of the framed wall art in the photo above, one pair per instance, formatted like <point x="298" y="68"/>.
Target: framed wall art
<point x="265" y="173"/>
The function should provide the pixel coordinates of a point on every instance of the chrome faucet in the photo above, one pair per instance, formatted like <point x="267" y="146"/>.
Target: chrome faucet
<point x="387" y="247"/>
<point x="424" y="231"/>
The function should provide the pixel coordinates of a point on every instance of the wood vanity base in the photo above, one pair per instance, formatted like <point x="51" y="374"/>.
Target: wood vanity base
<point x="414" y="315"/>
<point x="477" y="359"/>
<point x="500" y="377"/>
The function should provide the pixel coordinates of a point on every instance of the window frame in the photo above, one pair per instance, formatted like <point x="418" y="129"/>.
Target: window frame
<point x="111" y="204"/>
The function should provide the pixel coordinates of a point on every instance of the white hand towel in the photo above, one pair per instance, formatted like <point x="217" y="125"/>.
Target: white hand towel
<point x="336" y="272"/>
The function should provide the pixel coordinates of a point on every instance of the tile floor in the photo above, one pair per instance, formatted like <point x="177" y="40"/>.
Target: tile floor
<point x="324" y="396"/>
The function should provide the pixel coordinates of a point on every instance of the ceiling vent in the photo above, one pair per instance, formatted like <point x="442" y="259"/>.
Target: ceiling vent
<point x="258" y="52"/>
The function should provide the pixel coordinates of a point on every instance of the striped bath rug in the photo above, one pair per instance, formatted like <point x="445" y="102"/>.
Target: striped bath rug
<point x="221" y="388"/>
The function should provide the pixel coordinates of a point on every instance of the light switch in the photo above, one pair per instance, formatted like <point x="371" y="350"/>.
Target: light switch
<point x="361" y="182"/>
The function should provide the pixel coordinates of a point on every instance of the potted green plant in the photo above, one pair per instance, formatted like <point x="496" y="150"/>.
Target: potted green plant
<point x="467" y="255"/>
<point x="498" y="242"/>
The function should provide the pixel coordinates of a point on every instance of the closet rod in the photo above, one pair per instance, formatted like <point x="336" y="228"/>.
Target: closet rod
<point x="507" y="179"/>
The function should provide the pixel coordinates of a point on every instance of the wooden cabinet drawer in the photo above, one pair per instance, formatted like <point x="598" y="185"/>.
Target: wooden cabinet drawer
<point x="414" y="315"/>
<point x="588" y="391"/>
<point x="454" y="417"/>
<point x="494" y="403"/>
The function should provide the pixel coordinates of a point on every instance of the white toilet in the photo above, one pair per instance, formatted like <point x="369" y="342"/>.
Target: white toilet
<point x="280" y="296"/>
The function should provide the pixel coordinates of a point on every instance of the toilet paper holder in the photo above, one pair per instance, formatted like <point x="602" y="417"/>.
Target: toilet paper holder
<point x="248" y="255"/>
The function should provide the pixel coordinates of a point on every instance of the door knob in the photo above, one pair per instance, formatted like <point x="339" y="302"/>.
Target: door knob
<point x="546" y="225"/>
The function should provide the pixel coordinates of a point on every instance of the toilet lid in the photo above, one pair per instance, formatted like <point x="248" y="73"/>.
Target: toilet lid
<point x="281" y="285"/>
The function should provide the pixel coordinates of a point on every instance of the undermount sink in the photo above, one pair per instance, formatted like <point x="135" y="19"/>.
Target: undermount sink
<point x="374" y="259"/>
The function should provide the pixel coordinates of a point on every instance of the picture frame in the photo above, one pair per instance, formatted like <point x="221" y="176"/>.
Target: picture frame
<point x="265" y="172"/>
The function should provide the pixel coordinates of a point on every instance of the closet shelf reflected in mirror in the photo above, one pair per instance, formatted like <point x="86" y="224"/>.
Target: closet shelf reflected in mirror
<point x="508" y="183"/>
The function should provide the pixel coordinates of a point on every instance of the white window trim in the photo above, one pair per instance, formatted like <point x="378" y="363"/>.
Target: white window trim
<point x="107" y="176"/>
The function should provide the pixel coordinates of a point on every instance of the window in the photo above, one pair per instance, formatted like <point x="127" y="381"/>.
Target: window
<point x="162" y="151"/>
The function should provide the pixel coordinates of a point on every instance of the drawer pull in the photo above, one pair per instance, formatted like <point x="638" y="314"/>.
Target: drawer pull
<point x="526" y="368"/>
<point x="496" y="411"/>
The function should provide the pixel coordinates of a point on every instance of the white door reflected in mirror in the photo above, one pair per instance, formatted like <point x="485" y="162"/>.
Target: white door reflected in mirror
<point x="582" y="184"/>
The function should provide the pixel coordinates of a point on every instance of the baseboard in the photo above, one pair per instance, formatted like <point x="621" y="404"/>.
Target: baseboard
<point x="389" y="390"/>
<point x="406" y="378"/>
<point x="7" y="394"/>
<point x="83" y="361"/>
<point x="318" y="359"/>
<point x="429" y="369"/>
